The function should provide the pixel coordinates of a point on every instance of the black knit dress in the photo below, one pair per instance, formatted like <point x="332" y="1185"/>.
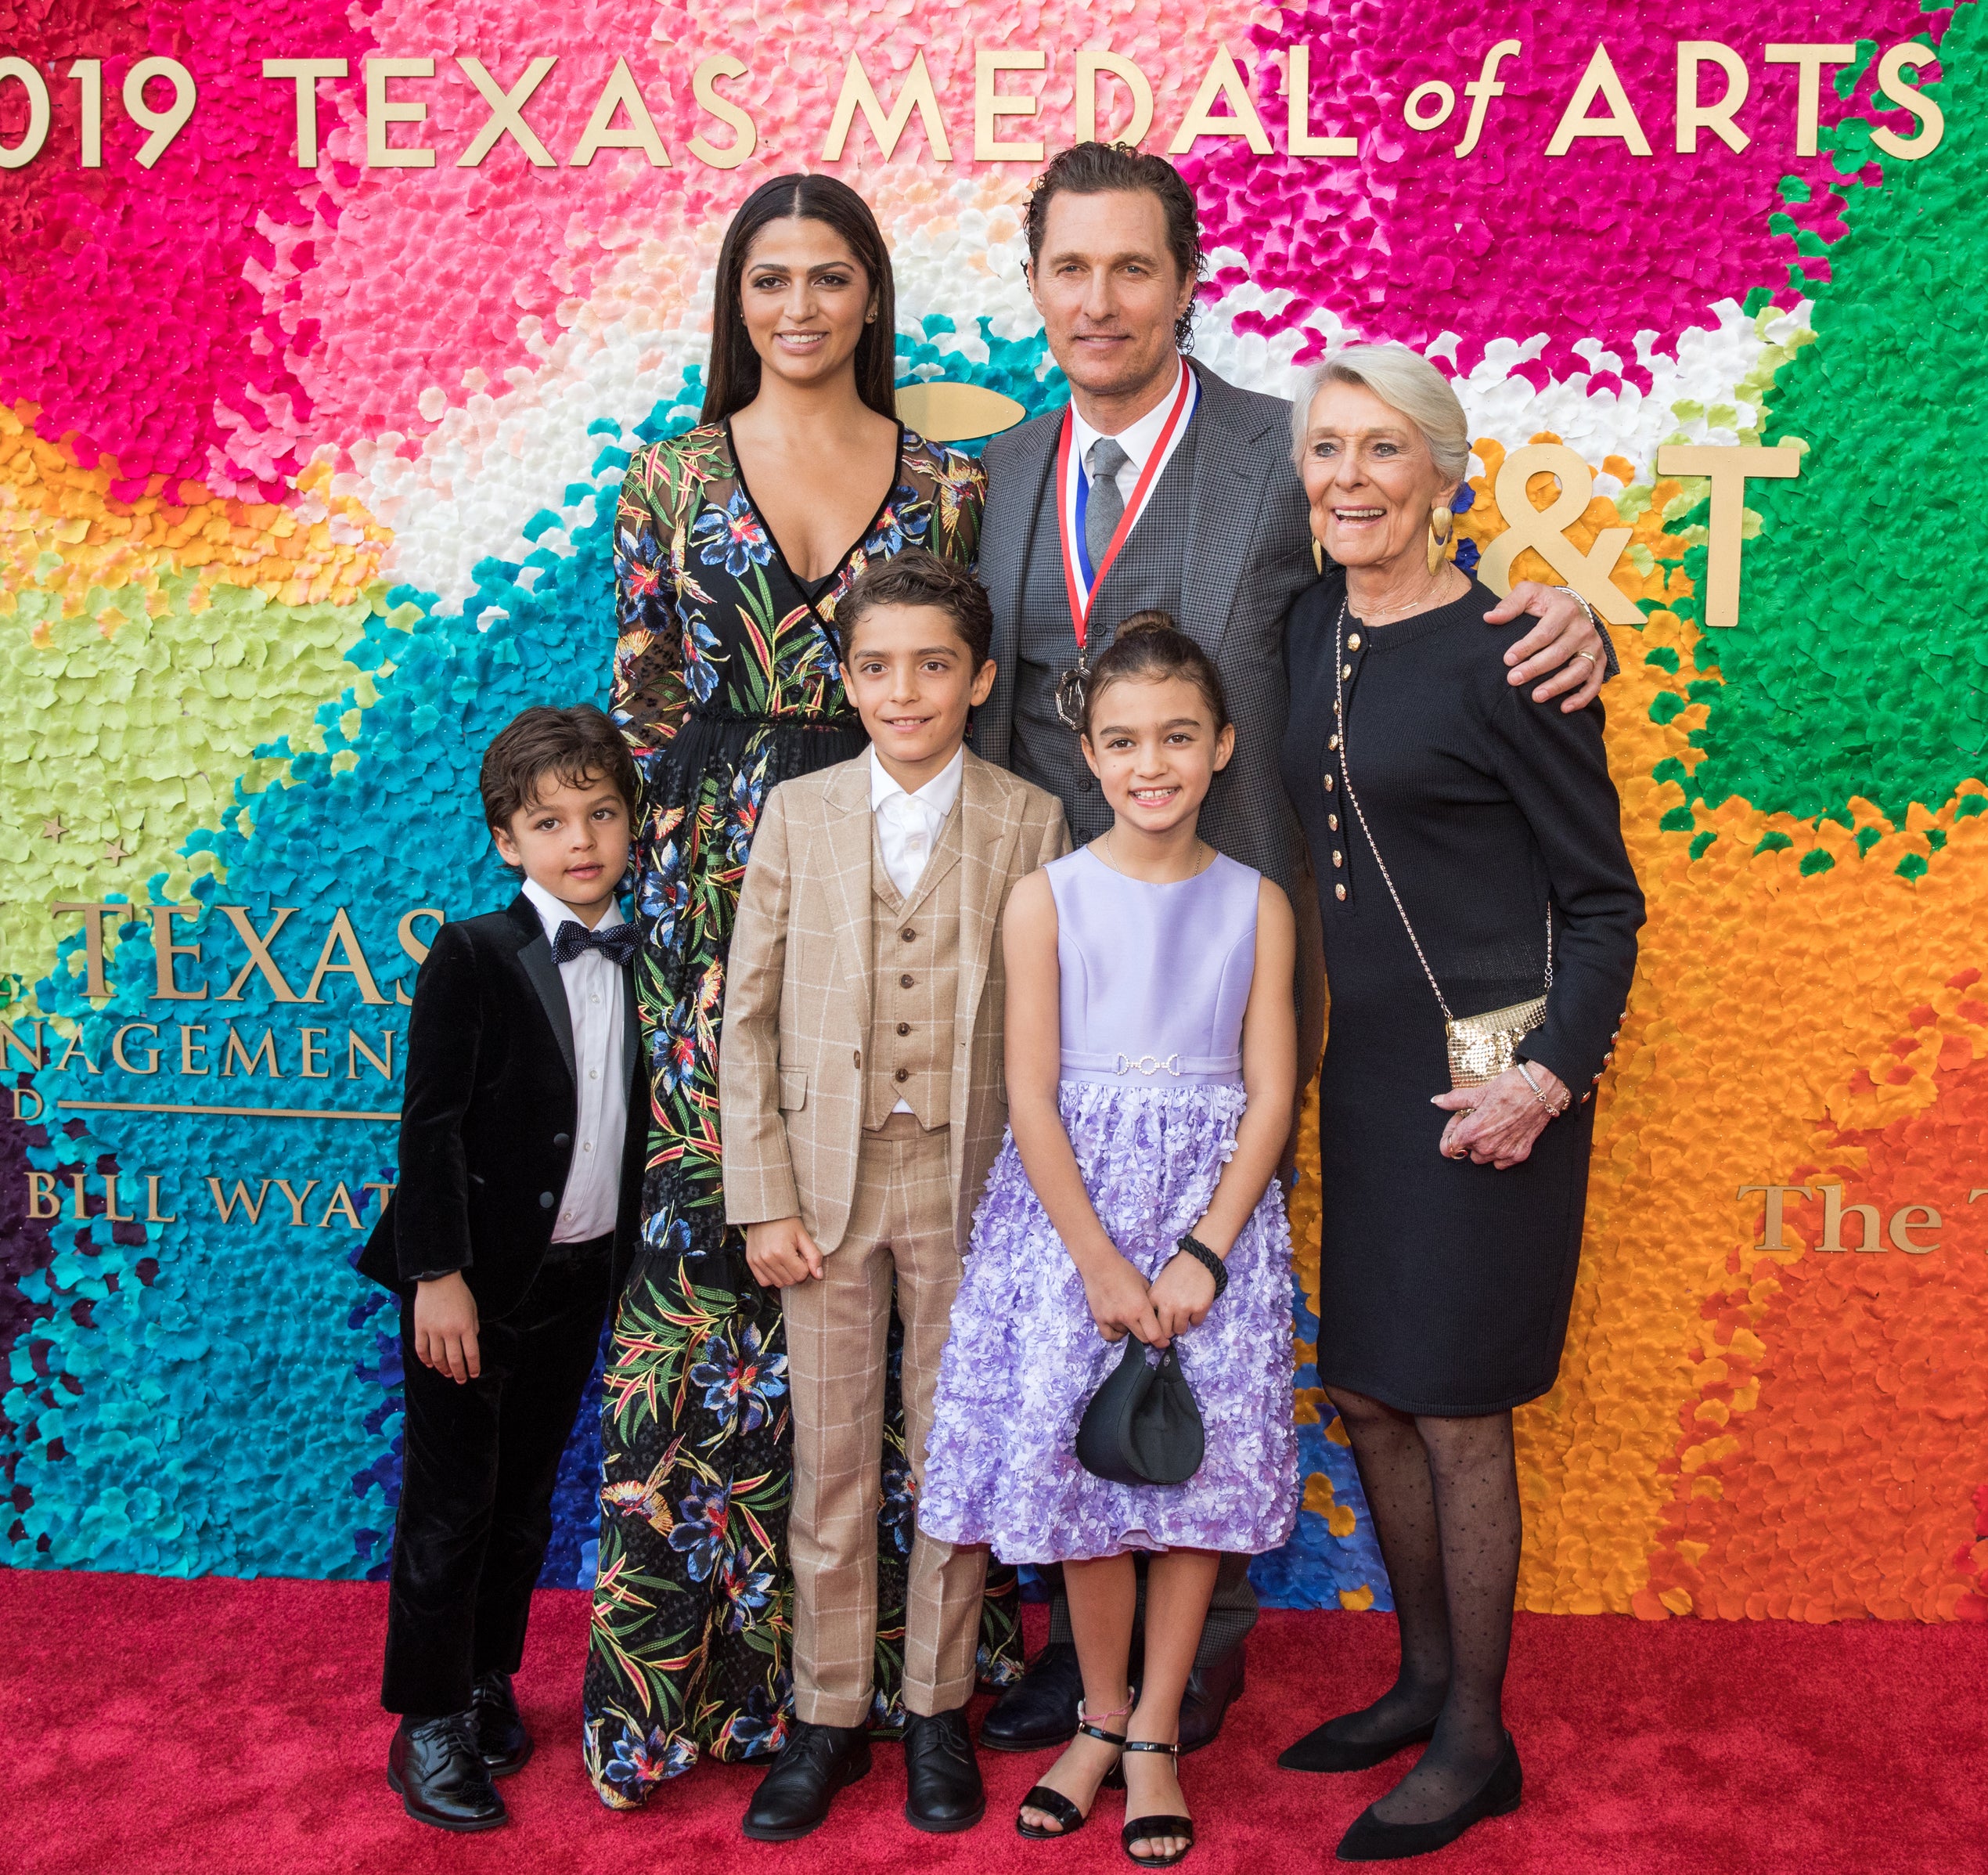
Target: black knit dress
<point x="1445" y="1285"/>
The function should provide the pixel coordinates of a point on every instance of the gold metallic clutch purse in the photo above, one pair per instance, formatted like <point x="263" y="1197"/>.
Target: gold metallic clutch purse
<point x="1481" y="1047"/>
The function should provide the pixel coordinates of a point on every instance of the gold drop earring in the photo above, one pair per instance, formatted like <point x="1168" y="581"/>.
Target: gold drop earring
<point x="1441" y="525"/>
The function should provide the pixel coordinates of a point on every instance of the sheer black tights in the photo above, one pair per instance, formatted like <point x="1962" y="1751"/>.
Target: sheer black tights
<point x="1443" y="1493"/>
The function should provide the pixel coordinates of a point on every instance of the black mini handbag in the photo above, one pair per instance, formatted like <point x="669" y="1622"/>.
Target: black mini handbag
<point x="1143" y="1426"/>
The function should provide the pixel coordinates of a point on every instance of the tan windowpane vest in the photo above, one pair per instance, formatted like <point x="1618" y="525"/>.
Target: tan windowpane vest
<point x="915" y="969"/>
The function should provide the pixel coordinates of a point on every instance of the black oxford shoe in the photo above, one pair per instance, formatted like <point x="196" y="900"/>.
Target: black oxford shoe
<point x="944" y="1777"/>
<point x="502" y="1741"/>
<point x="433" y="1767"/>
<point x="1211" y="1690"/>
<point x="815" y="1762"/>
<point x="1040" y="1709"/>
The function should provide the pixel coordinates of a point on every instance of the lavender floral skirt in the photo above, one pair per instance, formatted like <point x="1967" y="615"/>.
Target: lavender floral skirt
<point x="1024" y="1357"/>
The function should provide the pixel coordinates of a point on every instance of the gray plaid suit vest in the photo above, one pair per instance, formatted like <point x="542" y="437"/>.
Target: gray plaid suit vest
<point x="1146" y="575"/>
<point x="1227" y="564"/>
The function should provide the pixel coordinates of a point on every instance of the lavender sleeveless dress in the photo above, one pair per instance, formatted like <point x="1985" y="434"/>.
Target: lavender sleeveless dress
<point x="1155" y="979"/>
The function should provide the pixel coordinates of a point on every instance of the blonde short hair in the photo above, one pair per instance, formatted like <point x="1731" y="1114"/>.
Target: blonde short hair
<point x="1403" y="380"/>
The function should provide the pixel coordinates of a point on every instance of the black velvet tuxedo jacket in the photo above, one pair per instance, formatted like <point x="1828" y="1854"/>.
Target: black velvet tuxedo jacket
<point x="487" y="1122"/>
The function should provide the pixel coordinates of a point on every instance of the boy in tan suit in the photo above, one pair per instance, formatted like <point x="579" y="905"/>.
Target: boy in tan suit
<point x="859" y="1081"/>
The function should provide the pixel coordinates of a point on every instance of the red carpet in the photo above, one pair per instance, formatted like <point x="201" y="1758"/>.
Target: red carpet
<point x="223" y="1726"/>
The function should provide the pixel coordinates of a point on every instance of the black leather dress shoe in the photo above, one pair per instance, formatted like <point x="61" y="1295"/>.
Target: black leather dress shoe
<point x="1370" y="1840"/>
<point x="433" y="1766"/>
<point x="1040" y="1709"/>
<point x="815" y="1763"/>
<point x="502" y="1741"/>
<point x="1211" y="1691"/>
<point x="943" y="1775"/>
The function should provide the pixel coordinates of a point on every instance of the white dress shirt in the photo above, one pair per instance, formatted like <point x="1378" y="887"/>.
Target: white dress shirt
<point x="1137" y="440"/>
<point x="594" y="992"/>
<point x="908" y="826"/>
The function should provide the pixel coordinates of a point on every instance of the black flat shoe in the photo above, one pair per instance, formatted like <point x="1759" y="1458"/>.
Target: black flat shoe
<point x="502" y="1741"/>
<point x="1370" y="1840"/>
<point x="1144" y="1829"/>
<point x="434" y="1768"/>
<point x="1053" y="1803"/>
<point x="1211" y="1691"/>
<point x="945" y="1791"/>
<point x="1315" y="1752"/>
<point x="815" y="1762"/>
<point x="1040" y="1709"/>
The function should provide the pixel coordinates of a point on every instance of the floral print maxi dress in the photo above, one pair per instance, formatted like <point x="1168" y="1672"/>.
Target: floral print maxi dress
<point x="726" y="683"/>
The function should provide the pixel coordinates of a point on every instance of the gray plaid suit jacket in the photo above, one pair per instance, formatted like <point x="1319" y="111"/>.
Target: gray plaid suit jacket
<point x="799" y="985"/>
<point x="1247" y="557"/>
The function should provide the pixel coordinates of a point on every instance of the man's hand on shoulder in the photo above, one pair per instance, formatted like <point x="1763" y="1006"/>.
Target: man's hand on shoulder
<point x="1565" y="649"/>
<point x="780" y="1254"/>
<point x="445" y="1325"/>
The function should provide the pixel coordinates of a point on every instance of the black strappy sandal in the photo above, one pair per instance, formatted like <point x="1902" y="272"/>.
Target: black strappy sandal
<point x="1144" y="1829"/>
<point x="1053" y="1803"/>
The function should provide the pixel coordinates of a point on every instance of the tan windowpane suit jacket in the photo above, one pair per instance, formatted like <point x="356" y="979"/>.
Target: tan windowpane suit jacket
<point x="798" y="992"/>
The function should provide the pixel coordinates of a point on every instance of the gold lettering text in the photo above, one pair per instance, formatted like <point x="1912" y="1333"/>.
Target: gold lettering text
<point x="1728" y="467"/>
<point x="703" y="87"/>
<point x="151" y="1054"/>
<point x="1599" y="81"/>
<point x="1774" y="1218"/>
<point x="858" y="92"/>
<point x="1224" y="80"/>
<point x="166" y="954"/>
<point x="342" y="935"/>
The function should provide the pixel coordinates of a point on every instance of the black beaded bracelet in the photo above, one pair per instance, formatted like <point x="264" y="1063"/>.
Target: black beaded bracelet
<point x="1191" y="1245"/>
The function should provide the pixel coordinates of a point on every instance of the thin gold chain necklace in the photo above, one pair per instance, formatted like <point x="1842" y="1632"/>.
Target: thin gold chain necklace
<point x="1104" y="853"/>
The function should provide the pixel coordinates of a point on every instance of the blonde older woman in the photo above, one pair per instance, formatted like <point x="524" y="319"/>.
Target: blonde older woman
<point x="1468" y="849"/>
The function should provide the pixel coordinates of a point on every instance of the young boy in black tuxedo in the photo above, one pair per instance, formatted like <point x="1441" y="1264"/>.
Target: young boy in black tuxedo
<point x="505" y="1239"/>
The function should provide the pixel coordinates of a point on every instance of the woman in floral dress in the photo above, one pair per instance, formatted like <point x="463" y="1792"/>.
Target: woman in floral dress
<point x="725" y="682"/>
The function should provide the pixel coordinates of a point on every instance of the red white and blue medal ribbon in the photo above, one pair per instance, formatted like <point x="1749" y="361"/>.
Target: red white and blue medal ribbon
<point x="1080" y="582"/>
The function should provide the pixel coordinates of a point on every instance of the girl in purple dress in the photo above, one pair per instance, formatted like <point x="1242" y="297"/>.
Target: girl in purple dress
<point x="1152" y="1060"/>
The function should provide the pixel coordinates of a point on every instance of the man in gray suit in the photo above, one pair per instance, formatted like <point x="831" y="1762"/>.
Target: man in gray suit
<point x="1219" y="537"/>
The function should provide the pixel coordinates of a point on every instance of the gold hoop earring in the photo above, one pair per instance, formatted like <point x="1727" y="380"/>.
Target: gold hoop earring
<point x="1441" y="525"/>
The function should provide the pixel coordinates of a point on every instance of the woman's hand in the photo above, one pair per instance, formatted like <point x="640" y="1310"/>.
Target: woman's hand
<point x="1117" y="1296"/>
<point x="1496" y="1124"/>
<point x="1182" y="1294"/>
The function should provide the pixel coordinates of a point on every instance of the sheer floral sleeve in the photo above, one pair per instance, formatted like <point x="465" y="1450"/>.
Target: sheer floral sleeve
<point x="648" y="696"/>
<point x="959" y="495"/>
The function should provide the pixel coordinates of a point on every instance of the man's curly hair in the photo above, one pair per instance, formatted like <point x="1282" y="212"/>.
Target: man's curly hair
<point x="1106" y="168"/>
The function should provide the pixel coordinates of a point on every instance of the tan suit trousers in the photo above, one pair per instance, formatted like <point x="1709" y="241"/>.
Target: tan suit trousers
<point x="901" y="1223"/>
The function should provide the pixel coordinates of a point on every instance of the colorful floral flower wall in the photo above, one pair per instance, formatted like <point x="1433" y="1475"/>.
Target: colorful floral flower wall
<point x="305" y="477"/>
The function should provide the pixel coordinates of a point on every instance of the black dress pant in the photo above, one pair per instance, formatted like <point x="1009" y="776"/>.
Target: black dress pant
<point x="479" y="1462"/>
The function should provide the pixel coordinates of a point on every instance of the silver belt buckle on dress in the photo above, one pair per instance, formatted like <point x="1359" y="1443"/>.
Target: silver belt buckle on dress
<point x="1146" y="1064"/>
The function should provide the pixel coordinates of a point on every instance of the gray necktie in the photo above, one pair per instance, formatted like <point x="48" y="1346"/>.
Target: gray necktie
<point x="1105" y="459"/>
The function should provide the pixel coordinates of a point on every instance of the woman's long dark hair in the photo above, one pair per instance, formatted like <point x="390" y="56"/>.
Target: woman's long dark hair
<point x="733" y="380"/>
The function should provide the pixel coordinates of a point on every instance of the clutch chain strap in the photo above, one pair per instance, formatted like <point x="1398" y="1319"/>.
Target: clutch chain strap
<point x="1346" y="775"/>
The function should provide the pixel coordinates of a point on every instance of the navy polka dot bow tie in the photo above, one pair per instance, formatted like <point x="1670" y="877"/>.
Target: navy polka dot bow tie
<point x="619" y="942"/>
